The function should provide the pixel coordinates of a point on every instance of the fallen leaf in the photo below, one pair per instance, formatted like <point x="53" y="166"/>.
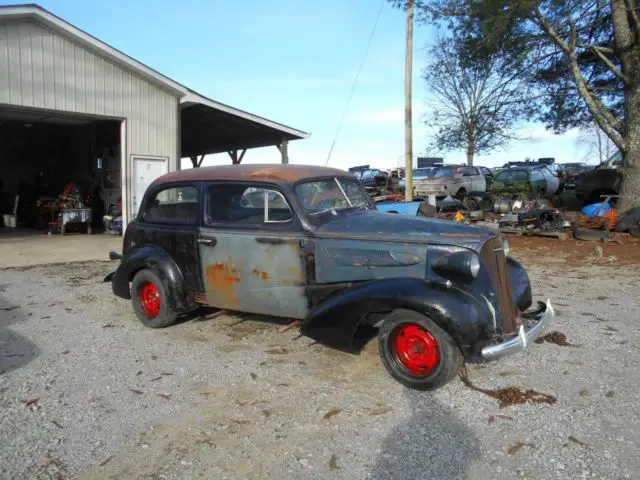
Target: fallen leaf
<point x="164" y="396"/>
<point x="154" y="357"/>
<point x="380" y="410"/>
<point x="8" y="309"/>
<point x="584" y="392"/>
<point x="108" y="325"/>
<point x="253" y="375"/>
<point x="277" y="350"/>
<point x="156" y="379"/>
<point x="333" y="462"/>
<point x="138" y="373"/>
<point x="332" y="413"/>
<point x="267" y="413"/>
<point x="104" y="462"/>
<point x="56" y="424"/>
<point x="64" y="353"/>
<point x="28" y="403"/>
<point x="491" y="419"/>
<point x="240" y="422"/>
<point x="210" y="390"/>
<point x="518" y="446"/>
<point x="137" y="392"/>
<point x="575" y="440"/>
<point x="610" y="328"/>
<point x="166" y="374"/>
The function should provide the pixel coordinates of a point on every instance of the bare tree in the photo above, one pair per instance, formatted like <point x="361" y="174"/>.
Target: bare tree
<point x="478" y="102"/>
<point x="599" y="146"/>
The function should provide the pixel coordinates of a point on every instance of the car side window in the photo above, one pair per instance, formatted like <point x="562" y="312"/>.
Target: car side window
<point x="246" y="205"/>
<point x="175" y="204"/>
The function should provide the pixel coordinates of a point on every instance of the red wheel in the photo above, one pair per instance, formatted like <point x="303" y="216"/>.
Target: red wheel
<point x="416" y="349"/>
<point x="417" y="352"/>
<point x="150" y="300"/>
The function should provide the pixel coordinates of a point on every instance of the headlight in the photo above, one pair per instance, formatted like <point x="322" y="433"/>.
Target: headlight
<point x="465" y="265"/>
<point x="506" y="247"/>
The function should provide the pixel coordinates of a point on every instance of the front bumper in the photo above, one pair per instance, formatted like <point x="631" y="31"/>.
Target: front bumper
<point x="525" y="336"/>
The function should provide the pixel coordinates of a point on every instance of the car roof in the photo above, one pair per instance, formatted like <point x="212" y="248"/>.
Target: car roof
<point x="276" y="173"/>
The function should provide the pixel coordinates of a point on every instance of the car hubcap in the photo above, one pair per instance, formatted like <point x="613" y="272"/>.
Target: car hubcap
<point x="416" y="349"/>
<point x="150" y="300"/>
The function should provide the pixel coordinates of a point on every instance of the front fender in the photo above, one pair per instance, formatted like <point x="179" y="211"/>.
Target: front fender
<point x="160" y="262"/>
<point x="464" y="315"/>
<point x="520" y="285"/>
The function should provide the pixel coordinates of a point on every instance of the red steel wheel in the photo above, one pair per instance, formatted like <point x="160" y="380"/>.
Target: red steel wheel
<point x="416" y="349"/>
<point x="150" y="299"/>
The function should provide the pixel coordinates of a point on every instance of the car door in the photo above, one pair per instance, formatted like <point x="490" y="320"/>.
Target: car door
<point x="251" y="245"/>
<point x="169" y="219"/>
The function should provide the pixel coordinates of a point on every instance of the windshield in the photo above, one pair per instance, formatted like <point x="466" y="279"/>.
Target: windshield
<point x="512" y="176"/>
<point x="320" y="196"/>
<point x="443" y="172"/>
<point x="422" y="172"/>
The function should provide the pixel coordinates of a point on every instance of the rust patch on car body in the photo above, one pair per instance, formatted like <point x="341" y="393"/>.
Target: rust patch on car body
<point x="222" y="279"/>
<point x="260" y="274"/>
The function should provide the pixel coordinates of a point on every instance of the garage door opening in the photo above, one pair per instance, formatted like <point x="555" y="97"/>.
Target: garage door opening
<point x="59" y="173"/>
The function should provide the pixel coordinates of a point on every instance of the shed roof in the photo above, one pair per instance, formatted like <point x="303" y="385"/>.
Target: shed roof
<point x="253" y="172"/>
<point x="239" y="129"/>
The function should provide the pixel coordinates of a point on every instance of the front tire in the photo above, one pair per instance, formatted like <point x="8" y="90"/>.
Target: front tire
<point x="417" y="352"/>
<point x="150" y="300"/>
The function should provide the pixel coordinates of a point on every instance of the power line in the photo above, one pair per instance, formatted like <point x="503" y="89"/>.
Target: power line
<point x="355" y="83"/>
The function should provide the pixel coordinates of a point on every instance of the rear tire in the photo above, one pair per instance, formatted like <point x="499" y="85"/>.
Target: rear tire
<point x="461" y="193"/>
<point x="417" y="352"/>
<point x="150" y="300"/>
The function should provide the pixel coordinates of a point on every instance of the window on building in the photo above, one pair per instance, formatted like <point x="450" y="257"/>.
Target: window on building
<point x="178" y="204"/>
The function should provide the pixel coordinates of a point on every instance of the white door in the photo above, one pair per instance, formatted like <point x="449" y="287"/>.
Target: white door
<point x="145" y="171"/>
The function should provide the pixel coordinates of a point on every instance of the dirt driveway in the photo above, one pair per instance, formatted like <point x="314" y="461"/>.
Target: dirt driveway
<point x="87" y="392"/>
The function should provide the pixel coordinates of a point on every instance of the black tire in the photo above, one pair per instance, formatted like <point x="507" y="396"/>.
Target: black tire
<point x="460" y="194"/>
<point x="164" y="316"/>
<point x="449" y="357"/>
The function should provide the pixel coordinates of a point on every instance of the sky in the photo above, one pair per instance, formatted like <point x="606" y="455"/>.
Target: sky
<point x="296" y="63"/>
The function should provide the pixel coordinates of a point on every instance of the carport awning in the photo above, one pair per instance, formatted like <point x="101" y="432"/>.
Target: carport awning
<point x="210" y="127"/>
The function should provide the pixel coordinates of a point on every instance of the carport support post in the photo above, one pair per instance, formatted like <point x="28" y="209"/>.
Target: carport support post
<point x="284" y="151"/>
<point x="235" y="158"/>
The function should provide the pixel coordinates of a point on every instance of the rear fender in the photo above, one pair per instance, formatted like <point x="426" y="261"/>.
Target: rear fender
<point x="467" y="318"/>
<point x="160" y="262"/>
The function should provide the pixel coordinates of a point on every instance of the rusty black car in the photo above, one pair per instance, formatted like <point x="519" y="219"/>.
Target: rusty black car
<point x="307" y="243"/>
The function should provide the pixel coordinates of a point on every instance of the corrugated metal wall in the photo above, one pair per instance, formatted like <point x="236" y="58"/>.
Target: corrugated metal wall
<point x="40" y="68"/>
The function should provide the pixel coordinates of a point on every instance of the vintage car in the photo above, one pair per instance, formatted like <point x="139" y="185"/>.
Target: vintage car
<point x="524" y="182"/>
<point x="454" y="180"/>
<point x="316" y="250"/>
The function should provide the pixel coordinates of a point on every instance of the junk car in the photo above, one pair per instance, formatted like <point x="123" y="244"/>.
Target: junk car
<point x="314" y="249"/>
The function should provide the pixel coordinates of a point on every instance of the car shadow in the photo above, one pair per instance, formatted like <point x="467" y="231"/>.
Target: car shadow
<point x="15" y="350"/>
<point x="432" y="443"/>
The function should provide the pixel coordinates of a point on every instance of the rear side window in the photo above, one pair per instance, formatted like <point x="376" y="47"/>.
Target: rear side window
<point x="246" y="205"/>
<point x="177" y="204"/>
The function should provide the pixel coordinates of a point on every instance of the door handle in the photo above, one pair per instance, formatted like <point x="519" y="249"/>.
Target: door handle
<point x="210" y="242"/>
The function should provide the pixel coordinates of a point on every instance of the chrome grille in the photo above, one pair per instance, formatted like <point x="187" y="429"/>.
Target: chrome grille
<point x="496" y="262"/>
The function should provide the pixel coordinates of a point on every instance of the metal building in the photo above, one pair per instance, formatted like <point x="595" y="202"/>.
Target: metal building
<point x="123" y="123"/>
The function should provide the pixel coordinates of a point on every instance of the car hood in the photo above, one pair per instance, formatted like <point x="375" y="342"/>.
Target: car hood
<point x="392" y="227"/>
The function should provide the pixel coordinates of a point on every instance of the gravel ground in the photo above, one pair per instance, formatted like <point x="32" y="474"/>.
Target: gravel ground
<point x="87" y="392"/>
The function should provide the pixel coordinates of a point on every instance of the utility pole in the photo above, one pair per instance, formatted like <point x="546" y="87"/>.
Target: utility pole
<point x="408" y="124"/>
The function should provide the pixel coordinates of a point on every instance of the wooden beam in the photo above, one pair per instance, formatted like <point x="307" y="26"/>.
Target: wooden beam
<point x="284" y="151"/>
